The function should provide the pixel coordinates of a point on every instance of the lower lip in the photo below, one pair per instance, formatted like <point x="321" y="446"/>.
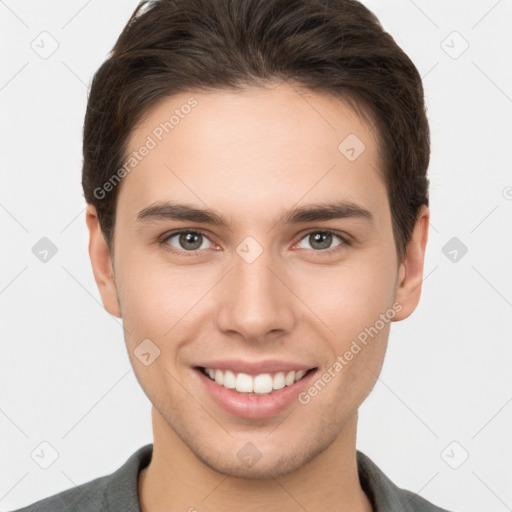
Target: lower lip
<point x="247" y="405"/>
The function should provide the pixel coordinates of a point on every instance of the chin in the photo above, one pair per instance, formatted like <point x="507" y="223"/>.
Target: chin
<point x="261" y="469"/>
<point x="270" y="462"/>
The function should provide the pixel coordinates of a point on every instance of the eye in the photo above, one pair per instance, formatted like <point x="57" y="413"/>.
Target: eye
<point x="190" y="243"/>
<point x="321" y="241"/>
<point x="186" y="242"/>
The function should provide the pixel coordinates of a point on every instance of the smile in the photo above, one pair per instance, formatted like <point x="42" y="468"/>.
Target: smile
<point x="254" y="389"/>
<point x="261" y="384"/>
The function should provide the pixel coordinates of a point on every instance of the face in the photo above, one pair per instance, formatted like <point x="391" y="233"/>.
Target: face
<point x="258" y="288"/>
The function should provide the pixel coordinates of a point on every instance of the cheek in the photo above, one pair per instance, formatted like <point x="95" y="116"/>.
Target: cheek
<point x="154" y="297"/>
<point x="350" y="301"/>
<point x="156" y="304"/>
<point x="352" y="297"/>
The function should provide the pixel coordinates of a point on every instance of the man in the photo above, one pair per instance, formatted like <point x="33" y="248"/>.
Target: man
<point x="255" y="173"/>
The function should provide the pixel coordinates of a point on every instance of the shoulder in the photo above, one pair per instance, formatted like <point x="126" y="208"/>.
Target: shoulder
<point x="83" y="498"/>
<point x="117" y="491"/>
<point x="385" y="495"/>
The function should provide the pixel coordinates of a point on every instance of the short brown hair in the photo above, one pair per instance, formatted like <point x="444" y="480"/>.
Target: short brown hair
<point x="336" y="47"/>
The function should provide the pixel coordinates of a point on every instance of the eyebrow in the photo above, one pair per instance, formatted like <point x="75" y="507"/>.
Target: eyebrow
<point x="308" y="213"/>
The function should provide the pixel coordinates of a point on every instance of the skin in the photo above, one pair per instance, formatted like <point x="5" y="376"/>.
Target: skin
<point x="250" y="156"/>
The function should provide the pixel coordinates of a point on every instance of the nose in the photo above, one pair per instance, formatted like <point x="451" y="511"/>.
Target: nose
<point x="254" y="299"/>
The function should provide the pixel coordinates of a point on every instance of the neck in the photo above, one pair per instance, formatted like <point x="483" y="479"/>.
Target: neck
<point x="177" y="480"/>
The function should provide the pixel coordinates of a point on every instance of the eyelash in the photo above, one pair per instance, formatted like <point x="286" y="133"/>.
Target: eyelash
<point x="345" y="241"/>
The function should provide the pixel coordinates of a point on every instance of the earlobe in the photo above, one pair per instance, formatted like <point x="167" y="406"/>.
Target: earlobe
<point x="101" y="263"/>
<point x="410" y="274"/>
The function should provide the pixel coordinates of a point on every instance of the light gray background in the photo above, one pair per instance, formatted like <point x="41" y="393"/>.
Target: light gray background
<point x="65" y="374"/>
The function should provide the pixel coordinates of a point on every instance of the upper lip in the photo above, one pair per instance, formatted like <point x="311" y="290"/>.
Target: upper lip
<point x="255" y="367"/>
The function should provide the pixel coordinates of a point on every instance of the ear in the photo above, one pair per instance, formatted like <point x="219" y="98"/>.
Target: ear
<point x="410" y="273"/>
<point x="101" y="263"/>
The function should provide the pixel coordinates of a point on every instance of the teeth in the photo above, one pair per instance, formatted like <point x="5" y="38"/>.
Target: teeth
<point x="299" y="375"/>
<point x="278" y="380"/>
<point x="263" y="383"/>
<point x="290" y="378"/>
<point x="244" y="383"/>
<point x="229" y="380"/>
<point x="260" y="384"/>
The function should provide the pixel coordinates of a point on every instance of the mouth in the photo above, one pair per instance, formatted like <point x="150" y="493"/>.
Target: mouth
<point x="257" y="395"/>
<point x="259" y="384"/>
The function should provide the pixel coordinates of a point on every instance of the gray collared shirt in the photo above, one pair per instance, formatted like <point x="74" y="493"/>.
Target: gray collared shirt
<point x="118" y="492"/>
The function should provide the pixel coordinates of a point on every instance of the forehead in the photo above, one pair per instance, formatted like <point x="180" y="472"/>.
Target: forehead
<point x="235" y="148"/>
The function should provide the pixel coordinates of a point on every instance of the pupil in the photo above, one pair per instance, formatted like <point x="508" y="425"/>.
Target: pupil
<point x="188" y="238"/>
<point x="327" y="240"/>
